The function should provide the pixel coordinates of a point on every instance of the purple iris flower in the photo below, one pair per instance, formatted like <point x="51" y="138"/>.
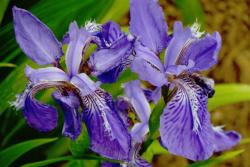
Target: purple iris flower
<point x="185" y="126"/>
<point x="110" y="164"/>
<point x="114" y="53"/>
<point x="117" y="49"/>
<point x="134" y="102"/>
<point x="108" y="134"/>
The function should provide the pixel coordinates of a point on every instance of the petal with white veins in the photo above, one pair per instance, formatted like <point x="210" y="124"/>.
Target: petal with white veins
<point x="185" y="127"/>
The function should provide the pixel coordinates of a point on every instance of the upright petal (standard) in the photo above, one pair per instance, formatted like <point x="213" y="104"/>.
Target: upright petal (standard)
<point x="141" y="106"/>
<point x="148" y="23"/>
<point x="78" y="39"/>
<point x="35" y="38"/>
<point x="39" y="116"/>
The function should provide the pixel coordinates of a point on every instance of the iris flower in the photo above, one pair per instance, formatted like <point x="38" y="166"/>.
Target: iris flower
<point x="135" y="102"/>
<point x="108" y="134"/>
<point x="185" y="127"/>
<point x="117" y="47"/>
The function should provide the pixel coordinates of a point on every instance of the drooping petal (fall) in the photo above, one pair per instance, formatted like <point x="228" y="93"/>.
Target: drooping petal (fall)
<point x="108" y="134"/>
<point x="110" y="164"/>
<point x="147" y="22"/>
<point x="185" y="127"/>
<point x="224" y="140"/>
<point x="38" y="115"/>
<point x="107" y="63"/>
<point x="35" y="38"/>
<point x="112" y="75"/>
<point x="72" y="117"/>
<point x="204" y="52"/>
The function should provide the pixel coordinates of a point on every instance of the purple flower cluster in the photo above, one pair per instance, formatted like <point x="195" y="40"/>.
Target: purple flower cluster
<point x="185" y="127"/>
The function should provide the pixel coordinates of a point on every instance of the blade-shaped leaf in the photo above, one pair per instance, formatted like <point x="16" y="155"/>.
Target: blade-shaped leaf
<point x="229" y="94"/>
<point x="10" y="154"/>
<point x="154" y="120"/>
<point x="3" y="6"/>
<point x="58" y="148"/>
<point x="91" y="157"/>
<point x="48" y="162"/>
<point x="217" y="160"/>
<point x="81" y="144"/>
<point x="83" y="163"/>
<point x="10" y="134"/>
<point x="7" y="65"/>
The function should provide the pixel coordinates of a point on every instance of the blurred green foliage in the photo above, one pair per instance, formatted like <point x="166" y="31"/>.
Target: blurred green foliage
<point x="3" y="6"/>
<point x="10" y="154"/>
<point x="191" y="11"/>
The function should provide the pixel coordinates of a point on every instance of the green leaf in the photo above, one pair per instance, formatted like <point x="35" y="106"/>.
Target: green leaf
<point x="58" y="148"/>
<point x="11" y="86"/>
<point x="245" y="141"/>
<point x="191" y="11"/>
<point x="48" y="162"/>
<point x="10" y="154"/>
<point x="81" y="144"/>
<point x="116" y="88"/>
<point x="18" y="126"/>
<point x="154" y="120"/>
<point x="217" y="160"/>
<point x="229" y="94"/>
<point x="3" y="6"/>
<point x="125" y="29"/>
<point x="7" y="65"/>
<point x="83" y="163"/>
<point x="154" y="149"/>
<point x="89" y="160"/>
